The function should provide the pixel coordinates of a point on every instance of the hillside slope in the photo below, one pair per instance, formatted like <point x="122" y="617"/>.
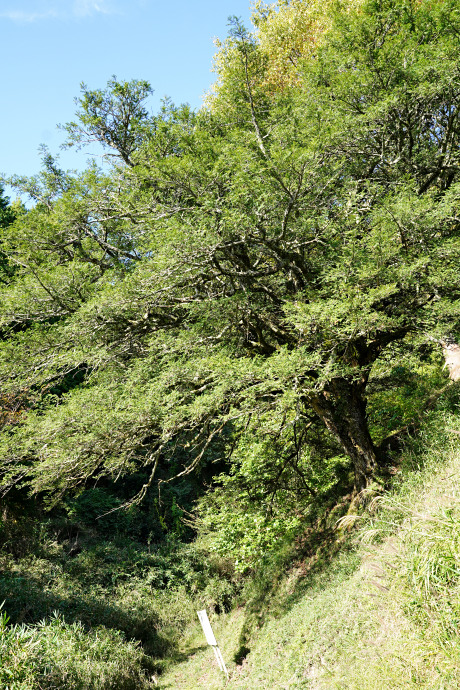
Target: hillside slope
<point x="382" y="613"/>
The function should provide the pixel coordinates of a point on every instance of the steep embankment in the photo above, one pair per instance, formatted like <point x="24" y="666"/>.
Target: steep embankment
<point x="382" y="613"/>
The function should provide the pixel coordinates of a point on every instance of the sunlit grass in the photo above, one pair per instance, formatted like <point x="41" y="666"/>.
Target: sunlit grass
<point x="53" y="654"/>
<point x="384" y="614"/>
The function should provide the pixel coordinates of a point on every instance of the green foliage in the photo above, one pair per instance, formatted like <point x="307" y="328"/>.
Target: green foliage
<point x="273" y="491"/>
<point x="398" y="392"/>
<point x="242" y="291"/>
<point x="357" y="615"/>
<point x="8" y="214"/>
<point x="54" y="654"/>
<point x="114" y="117"/>
<point x="99" y="508"/>
<point x="97" y="575"/>
<point x="243" y="300"/>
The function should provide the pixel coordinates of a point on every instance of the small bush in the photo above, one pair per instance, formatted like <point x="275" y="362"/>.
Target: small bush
<point x="54" y="655"/>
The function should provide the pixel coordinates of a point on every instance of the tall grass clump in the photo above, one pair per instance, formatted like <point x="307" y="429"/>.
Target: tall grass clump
<point x="16" y="649"/>
<point x="55" y="655"/>
<point x="431" y="567"/>
<point x="426" y="564"/>
<point x="420" y="519"/>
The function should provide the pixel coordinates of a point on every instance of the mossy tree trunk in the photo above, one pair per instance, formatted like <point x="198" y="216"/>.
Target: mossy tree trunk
<point x="342" y="408"/>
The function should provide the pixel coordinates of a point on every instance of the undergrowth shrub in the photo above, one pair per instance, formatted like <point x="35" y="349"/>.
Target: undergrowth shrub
<point x="55" y="655"/>
<point x="98" y="508"/>
<point x="16" y="648"/>
<point x="149" y="594"/>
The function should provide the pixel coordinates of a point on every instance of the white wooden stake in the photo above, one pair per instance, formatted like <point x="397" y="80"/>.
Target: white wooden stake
<point x="211" y="640"/>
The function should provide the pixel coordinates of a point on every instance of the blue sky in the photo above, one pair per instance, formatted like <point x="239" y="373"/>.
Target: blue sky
<point x="48" y="47"/>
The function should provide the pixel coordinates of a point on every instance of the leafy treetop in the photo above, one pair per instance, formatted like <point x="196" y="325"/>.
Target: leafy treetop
<point x="240" y="273"/>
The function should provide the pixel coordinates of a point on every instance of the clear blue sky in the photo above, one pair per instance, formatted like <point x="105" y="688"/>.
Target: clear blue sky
<point x="48" y="47"/>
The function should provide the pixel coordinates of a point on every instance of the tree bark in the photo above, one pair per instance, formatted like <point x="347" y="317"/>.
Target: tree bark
<point x="342" y="408"/>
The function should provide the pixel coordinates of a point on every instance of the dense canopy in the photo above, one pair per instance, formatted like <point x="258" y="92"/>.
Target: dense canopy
<point x="233" y="285"/>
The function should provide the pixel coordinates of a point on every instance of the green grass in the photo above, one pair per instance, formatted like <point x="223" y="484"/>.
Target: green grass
<point x="61" y="656"/>
<point x="381" y="612"/>
<point x="100" y="616"/>
<point x="367" y="602"/>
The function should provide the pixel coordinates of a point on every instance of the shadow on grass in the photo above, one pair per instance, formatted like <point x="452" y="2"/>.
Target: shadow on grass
<point x="320" y="556"/>
<point x="174" y="658"/>
<point x="27" y="601"/>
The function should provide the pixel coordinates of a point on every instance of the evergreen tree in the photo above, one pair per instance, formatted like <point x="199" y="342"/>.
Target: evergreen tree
<point x="239" y="274"/>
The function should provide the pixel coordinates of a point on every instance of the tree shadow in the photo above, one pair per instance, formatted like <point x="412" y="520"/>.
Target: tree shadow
<point x="318" y="560"/>
<point x="25" y="600"/>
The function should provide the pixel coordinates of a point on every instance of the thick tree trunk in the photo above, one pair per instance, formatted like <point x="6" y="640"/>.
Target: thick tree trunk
<point x="342" y="408"/>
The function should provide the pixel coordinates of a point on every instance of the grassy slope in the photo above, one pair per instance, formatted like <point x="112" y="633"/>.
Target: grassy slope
<point x="383" y="614"/>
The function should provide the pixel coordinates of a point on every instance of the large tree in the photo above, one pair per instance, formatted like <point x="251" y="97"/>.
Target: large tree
<point x="243" y="268"/>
